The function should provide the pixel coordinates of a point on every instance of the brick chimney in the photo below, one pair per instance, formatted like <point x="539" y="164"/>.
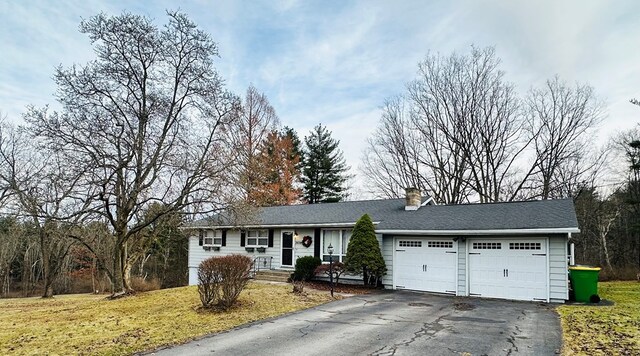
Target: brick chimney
<point x="413" y="199"/>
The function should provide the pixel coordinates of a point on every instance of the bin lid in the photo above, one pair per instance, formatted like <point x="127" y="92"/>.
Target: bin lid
<point x="584" y="268"/>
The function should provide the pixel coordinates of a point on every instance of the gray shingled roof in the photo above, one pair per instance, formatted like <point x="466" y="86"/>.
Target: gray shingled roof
<point x="390" y="215"/>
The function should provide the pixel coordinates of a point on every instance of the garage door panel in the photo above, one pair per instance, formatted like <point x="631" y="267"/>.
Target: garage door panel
<point x="510" y="269"/>
<point x="426" y="264"/>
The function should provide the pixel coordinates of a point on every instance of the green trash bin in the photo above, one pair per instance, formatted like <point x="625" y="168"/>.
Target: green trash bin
<point x="584" y="281"/>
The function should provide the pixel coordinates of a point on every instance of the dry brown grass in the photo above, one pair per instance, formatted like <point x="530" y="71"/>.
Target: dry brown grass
<point x="90" y="324"/>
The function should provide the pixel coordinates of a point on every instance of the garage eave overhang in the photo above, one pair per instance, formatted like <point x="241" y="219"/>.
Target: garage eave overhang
<point x="483" y="232"/>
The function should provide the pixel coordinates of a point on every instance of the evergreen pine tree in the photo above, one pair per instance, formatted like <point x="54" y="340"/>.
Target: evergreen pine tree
<point x="363" y="252"/>
<point x="324" y="171"/>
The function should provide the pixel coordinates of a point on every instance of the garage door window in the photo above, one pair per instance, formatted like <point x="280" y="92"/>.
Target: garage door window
<point x="339" y="240"/>
<point x="440" y="244"/>
<point x="525" y="246"/>
<point x="406" y="243"/>
<point x="487" y="245"/>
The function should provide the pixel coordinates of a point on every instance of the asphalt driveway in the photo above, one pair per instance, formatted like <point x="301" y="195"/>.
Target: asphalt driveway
<point x="394" y="323"/>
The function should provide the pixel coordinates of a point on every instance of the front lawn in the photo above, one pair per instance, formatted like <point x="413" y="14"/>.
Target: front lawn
<point x="90" y="324"/>
<point x="606" y="330"/>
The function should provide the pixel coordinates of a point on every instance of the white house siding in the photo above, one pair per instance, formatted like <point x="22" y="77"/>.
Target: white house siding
<point x="462" y="268"/>
<point x="197" y="253"/>
<point x="298" y="248"/>
<point x="387" y="254"/>
<point x="558" y="267"/>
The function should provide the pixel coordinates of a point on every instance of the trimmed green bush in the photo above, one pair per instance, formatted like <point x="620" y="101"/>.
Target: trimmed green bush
<point x="363" y="253"/>
<point x="305" y="268"/>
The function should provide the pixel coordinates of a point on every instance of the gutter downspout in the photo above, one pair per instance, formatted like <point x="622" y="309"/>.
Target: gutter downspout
<point x="572" y="252"/>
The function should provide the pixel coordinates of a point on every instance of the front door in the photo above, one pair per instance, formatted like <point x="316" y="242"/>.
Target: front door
<point x="287" y="249"/>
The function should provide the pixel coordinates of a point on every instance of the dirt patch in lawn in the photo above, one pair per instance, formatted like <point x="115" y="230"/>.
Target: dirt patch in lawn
<point x="90" y="324"/>
<point x="606" y="330"/>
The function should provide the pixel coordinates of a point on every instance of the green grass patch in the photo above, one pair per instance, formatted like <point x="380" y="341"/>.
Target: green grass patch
<point x="607" y="330"/>
<point x="90" y="324"/>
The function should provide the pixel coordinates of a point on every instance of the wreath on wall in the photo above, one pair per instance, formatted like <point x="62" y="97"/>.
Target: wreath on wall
<point x="306" y="241"/>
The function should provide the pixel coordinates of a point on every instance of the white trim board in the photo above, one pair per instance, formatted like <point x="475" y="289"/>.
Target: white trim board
<point x="266" y="226"/>
<point x="482" y="232"/>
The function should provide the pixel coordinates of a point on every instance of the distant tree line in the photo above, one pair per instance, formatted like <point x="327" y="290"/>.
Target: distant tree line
<point x="610" y="219"/>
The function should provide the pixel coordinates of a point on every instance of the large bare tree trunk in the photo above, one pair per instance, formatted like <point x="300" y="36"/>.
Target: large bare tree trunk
<point x="126" y="276"/>
<point x="47" y="276"/>
<point x="117" y="282"/>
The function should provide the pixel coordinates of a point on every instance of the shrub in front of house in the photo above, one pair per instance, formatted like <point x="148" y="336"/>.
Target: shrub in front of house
<point x="305" y="268"/>
<point x="363" y="253"/>
<point x="221" y="279"/>
<point x="325" y="269"/>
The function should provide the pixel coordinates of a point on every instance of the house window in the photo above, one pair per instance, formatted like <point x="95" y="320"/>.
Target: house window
<point x="339" y="240"/>
<point x="212" y="238"/>
<point x="257" y="238"/>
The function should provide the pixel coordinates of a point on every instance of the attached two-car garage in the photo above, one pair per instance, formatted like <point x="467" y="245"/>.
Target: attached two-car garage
<point x="494" y="267"/>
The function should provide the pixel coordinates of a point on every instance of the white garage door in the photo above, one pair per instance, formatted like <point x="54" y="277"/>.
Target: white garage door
<point x="509" y="269"/>
<point x="426" y="264"/>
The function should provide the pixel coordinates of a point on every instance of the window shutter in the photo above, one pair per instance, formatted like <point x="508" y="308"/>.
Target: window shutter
<point x="224" y="237"/>
<point x="316" y="243"/>
<point x="201" y="235"/>
<point x="243" y="236"/>
<point x="270" y="244"/>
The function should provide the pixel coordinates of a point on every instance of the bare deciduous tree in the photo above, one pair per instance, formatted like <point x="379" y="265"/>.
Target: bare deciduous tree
<point x="257" y="119"/>
<point x="457" y="133"/>
<point x="47" y="193"/>
<point x="144" y="119"/>
<point x="393" y="158"/>
<point x="462" y="134"/>
<point x="559" y="121"/>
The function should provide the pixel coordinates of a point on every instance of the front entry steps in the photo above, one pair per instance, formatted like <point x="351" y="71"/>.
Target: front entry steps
<point x="273" y="275"/>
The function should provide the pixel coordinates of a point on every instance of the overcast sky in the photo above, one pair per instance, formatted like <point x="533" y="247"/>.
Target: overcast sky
<point x="335" y="62"/>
